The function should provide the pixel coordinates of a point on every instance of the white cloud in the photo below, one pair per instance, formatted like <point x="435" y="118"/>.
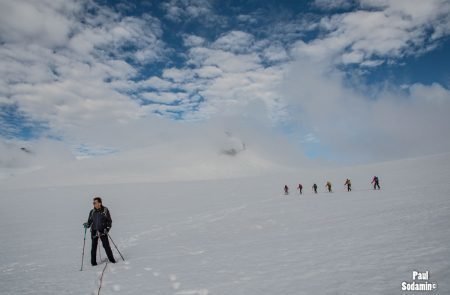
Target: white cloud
<point x="372" y="63"/>
<point x="228" y="81"/>
<point x="226" y="61"/>
<point x="66" y="104"/>
<point x="246" y="18"/>
<point x="234" y="41"/>
<point x="177" y="75"/>
<point x="356" y="127"/>
<point x="193" y="41"/>
<point x="27" y="156"/>
<point x="47" y="23"/>
<point x="156" y="83"/>
<point x="191" y="10"/>
<point x="65" y="65"/>
<point x="352" y="57"/>
<point x="208" y="72"/>
<point x="335" y="4"/>
<point x="275" y="53"/>
<point x="233" y="91"/>
<point x="386" y="29"/>
<point x="433" y="94"/>
<point x="107" y="39"/>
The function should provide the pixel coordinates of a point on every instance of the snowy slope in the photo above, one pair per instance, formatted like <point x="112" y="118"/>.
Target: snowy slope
<point x="238" y="236"/>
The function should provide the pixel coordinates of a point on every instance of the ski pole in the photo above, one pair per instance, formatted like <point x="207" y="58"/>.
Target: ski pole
<point x="116" y="247"/>
<point x="84" y="243"/>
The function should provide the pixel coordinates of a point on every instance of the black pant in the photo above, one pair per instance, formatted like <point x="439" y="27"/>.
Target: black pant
<point x="349" y="187"/>
<point x="106" y="245"/>
<point x="376" y="184"/>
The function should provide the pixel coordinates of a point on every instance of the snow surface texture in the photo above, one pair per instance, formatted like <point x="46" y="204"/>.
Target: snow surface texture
<point x="240" y="236"/>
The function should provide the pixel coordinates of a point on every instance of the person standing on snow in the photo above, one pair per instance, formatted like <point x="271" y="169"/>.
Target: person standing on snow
<point x="314" y="188"/>
<point x="376" y="182"/>
<point x="328" y="185"/>
<point x="100" y="222"/>
<point x="348" y="184"/>
<point x="300" y="188"/>
<point x="286" y="190"/>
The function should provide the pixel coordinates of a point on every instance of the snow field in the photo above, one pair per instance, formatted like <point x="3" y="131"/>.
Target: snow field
<point x="240" y="236"/>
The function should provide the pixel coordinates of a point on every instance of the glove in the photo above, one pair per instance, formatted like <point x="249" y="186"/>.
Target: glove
<point x="85" y="225"/>
<point x="106" y="230"/>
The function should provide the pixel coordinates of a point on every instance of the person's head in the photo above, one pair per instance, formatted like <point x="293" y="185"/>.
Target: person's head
<point x="97" y="202"/>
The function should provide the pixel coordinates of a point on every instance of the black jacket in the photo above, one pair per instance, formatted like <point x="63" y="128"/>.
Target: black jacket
<point x="99" y="219"/>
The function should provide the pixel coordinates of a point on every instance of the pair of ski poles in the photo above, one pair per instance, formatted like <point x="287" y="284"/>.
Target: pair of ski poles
<point x="84" y="243"/>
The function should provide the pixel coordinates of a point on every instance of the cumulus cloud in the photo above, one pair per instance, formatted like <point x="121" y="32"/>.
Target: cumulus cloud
<point x="156" y="83"/>
<point x="227" y="61"/>
<point x="115" y="37"/>
<point x="208" y="72"/>
<point x="74" y="79"/>
<point x="177" y="75"/>
<point x="381" y="124"/>
<point x="234" y="41"/>
<point x="396" y="123"/>
<point x="227" y="81"/>
<point x="434" y="94"/>
<point x="382" y="29"/>
<point x="48" y="23"/>
<point x="275" y="53"/>
<point x="193" y="41"/>
<point x="191" y="10"/>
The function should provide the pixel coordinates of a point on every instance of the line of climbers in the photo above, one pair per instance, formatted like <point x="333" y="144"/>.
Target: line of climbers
<point x="348" y="184"/>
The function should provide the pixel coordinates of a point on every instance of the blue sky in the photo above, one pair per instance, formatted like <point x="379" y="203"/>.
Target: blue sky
<point x="346" y="81"/>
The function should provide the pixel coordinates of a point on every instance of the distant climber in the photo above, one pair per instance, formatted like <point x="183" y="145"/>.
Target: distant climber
<point x="300" y="188"/>
<point x="286" y="190"/>
<point x="348" y="183"/>
<point x="314" y="188"/>
<point x="376" y="182"/>
<point x="328" y="185"/>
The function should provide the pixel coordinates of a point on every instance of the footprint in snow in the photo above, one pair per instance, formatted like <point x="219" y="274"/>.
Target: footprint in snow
<point x="175" y="284"/>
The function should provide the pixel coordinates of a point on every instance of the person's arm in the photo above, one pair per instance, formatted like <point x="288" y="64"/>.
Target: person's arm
<point x="108" y="220"/>
<point x="90" y="220"/>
